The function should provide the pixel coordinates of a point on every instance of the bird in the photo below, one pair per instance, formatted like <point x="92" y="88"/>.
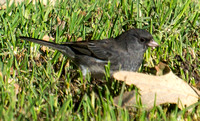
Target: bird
<point x="124" y="52"/>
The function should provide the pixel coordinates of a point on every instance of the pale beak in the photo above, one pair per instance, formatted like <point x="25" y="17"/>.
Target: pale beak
<point x="152" y="43"/>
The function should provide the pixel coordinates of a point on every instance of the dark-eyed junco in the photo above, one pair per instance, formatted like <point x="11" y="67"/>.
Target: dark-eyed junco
<point x="125" y="52"/>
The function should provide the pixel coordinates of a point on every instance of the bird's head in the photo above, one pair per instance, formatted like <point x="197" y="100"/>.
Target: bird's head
<point x="137" y="39"/>
<point x="144" y="37"/>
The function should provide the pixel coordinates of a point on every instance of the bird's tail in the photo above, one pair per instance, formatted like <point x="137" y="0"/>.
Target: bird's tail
<point x="60" y="47"/>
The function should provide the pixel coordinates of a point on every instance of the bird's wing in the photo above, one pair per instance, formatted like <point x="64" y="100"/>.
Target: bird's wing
<point x="97" y="49"/>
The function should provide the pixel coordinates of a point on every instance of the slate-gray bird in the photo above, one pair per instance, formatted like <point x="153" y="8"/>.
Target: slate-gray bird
<point x="125" y="52"/>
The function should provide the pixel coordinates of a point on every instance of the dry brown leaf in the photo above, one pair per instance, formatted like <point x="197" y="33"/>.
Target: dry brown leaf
<point x="79" y="39"/>
<point x="167" y="88"/>
<point x="46" y="38"/>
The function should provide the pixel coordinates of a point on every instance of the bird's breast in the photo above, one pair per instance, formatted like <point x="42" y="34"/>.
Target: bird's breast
<point x="130" y="62"/>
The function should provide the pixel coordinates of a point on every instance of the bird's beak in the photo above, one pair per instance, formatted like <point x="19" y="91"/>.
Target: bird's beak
<point x="152" y="43"/>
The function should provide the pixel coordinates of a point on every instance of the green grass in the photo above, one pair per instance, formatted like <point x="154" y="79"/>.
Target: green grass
<point x="47" y="86"/>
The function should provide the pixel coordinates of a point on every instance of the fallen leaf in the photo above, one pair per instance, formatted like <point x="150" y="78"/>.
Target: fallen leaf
<point x="46" y="38"/>
<point x="167" y="88"/>
<point x="79" y="39"/>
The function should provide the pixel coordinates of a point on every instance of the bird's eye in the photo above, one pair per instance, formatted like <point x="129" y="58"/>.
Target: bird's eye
<point x="142" y="40"/>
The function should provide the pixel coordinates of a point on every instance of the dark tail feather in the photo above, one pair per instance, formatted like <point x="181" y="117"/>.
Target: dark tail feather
<point x="62" y="48"/>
